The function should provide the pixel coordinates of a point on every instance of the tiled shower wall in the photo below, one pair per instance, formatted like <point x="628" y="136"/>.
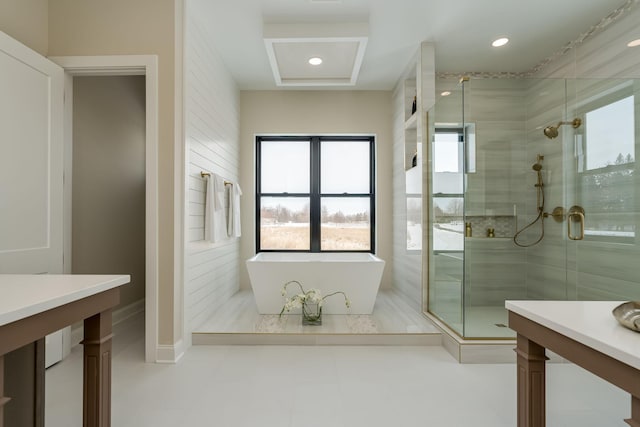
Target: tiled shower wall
<point x="212" y="144"/>
<point x="509" y="115"/>
<point x="584" y="270"/>
<point x="497" y="193"/>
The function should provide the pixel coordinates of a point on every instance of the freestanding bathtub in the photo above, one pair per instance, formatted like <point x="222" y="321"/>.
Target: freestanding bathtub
<point x="356" y="274"/>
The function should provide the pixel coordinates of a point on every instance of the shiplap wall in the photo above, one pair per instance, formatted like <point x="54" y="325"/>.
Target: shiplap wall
<point x="212" y="104"/>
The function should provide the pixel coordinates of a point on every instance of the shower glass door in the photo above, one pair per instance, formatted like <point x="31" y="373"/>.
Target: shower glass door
<point x="603" y="182"/>
<point x="499" y="190"/>
<point x="493" y="145"/>
<point x="445" y="184"/>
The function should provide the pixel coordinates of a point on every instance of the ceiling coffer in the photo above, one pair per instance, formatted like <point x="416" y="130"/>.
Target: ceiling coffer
<point x="340" y="45"/>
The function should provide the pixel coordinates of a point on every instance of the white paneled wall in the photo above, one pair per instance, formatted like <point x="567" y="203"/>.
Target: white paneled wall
<point x="419" y="81"/>
<point x="212" y="104"/>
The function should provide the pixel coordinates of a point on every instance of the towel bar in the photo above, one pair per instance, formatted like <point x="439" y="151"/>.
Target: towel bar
<point x="203" y="174"/>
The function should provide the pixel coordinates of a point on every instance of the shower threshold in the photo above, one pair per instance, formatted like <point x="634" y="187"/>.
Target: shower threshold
<point x="477" y="350"/>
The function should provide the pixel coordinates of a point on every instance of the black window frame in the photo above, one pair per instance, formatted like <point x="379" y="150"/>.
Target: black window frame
<point x="315" y="195"/>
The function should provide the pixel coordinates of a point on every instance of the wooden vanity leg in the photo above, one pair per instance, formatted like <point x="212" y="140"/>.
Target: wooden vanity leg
<point x="3" y="399"/>
<point x="634" y="421"/>
<point x="38" y="386"/>
<point x="97" y="371"/>
<point x="531" y="383"/>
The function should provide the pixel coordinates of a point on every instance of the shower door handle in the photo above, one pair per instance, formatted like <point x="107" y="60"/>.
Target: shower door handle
<point x="576" y="214"/>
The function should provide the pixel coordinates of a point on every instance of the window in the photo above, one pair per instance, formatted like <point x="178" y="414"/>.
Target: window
<point x="606" y="164"/>
<point x="315" y="193"/>
<point x="448" y="198"/>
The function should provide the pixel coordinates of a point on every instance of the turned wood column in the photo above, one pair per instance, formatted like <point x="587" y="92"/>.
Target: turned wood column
<point x="97" y="370"/>
<point x="531" y="383"/>
<point x="634" y="421"/>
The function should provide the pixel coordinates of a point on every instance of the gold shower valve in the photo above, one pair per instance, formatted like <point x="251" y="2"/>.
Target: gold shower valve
<point x="558" y="213"/>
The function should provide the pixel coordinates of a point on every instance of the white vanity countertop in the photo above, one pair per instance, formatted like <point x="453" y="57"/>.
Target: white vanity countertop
<point x="23" y="295"/>
<point x="588" y="322"/>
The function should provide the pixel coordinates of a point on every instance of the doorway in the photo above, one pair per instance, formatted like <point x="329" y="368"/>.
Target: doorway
<point x="126" y="65"/>
<point x="108" y="188"/>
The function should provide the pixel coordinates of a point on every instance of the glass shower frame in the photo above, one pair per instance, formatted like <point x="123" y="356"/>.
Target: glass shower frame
<point x="466" y="289"/>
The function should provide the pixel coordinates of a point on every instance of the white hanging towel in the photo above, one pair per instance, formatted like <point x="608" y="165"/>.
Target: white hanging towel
<point x="215" y="227"/>
<point x="233" y="224"/>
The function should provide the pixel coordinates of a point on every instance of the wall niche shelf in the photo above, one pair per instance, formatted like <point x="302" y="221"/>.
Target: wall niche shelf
<point x="411" y="156"/>
<point x="411" y="122"/>
<point x="417" y="94"/>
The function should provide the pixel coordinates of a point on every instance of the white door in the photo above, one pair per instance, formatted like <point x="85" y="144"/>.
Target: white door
<point x="31" y="161"/>
<point x="31" y="97"/>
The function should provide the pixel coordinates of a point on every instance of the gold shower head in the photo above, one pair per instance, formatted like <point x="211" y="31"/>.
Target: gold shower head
<point x="552" y="131"/>
<point x="537" y="166"/>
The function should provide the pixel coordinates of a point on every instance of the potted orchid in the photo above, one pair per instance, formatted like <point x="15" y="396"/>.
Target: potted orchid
<point x="310" y="302"/>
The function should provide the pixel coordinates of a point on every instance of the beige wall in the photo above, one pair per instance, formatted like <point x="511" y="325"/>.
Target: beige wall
<point x="26" y="21"/>
<point x="317" y="112"/>
<point x="145" y="27"/>
<point x="109" y="180"/>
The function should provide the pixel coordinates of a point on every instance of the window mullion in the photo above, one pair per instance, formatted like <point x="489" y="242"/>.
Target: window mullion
<point x="315" y="194"/>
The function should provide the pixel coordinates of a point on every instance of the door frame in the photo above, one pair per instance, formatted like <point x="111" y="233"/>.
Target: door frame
<point x="121" y="65"/>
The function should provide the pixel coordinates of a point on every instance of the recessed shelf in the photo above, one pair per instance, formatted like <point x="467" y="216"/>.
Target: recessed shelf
<point x="411" y="122"/>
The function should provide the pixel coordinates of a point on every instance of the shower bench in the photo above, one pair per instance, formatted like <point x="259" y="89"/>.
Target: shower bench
<point x="583" y="332"/>
<point x="33" y="306"/>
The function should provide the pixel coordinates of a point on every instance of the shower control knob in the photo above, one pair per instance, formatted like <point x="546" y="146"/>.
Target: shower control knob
<point x="557" y="213"/>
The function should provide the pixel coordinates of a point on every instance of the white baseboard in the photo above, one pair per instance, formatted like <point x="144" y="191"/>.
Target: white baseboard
<point x="123" y="313"/>
<point x="164" y="353"/>
<point x="167" y="353"/>
<point x="119" y="315"/>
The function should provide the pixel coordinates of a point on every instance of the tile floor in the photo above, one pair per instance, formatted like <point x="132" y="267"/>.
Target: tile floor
<point x="306" y="386"/>
<point x="391" y="315"/>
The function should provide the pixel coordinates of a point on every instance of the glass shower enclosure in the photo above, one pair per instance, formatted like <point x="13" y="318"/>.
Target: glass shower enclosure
<point x="550" y="162"/>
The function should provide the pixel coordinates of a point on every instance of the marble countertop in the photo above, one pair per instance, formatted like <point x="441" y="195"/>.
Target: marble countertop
<point x="23" y="295"/>
<point x="588" y="322"/>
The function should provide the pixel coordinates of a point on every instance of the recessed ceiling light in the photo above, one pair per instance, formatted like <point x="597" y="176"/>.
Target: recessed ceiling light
<point x="315" y="60"/>
<point x="634" y="43"/>
<point x="445" y="93"/>
<point x="500" y="42"/>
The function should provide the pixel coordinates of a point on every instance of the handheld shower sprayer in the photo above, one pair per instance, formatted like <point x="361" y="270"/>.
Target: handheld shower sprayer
<point x="537" y="167"/>
<point x="552" y="131"/>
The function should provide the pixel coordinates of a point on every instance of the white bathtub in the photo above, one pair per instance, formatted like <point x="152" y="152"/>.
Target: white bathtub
<point x="356" y="274"/>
